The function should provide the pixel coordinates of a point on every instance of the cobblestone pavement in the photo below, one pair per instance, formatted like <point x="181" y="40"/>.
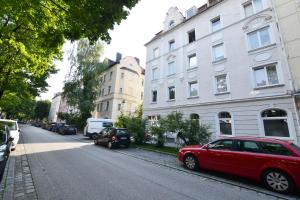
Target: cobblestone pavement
<point x="17" y="183"/>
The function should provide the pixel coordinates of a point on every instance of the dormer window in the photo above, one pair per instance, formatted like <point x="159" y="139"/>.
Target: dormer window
<point x="171" y="24"/>
<point x="190" y="13"/>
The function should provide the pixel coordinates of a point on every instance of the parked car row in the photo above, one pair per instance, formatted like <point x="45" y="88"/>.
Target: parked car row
<point x="273" y="162"/>
<point x="61" y="128"/>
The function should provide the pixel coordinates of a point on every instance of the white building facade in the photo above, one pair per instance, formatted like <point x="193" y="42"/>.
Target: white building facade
<point x="224" y="63"/>
<point x="59" y="105"/>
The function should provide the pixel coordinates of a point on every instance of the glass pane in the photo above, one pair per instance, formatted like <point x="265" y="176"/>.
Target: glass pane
<point x="192" y="36"/>
<point x="274" y="113"/>
<point x="225" y="126"/>
<point x="276" y="128"/>
<point x="171" y="93"/>
<point x="275" y="149"/>
<point x="171" y="68"/>
<point x="218" y="52"/>
<point x="222" y="145"/>
<point x="221" y="84"/>
<point x="154" y="74"/>
<point x="253" y="40"/>
<point x="258" y="5"/>
<point x="296" y="147"/>
<point x="216" y="24"/>
<point x="224" y="115"/>
<point x="264" y="37"/>
<point x="193" y="89"/>
<point x="248" y="9"/>
<point x="171" y="45"/>
<point x="154" y="96"/>
<point x="192" y="61"/>
<point x="260" y="77"/>
<point x="249" y="146"/>
<point x="11" y="125"/>
<point x="272" y="75"/>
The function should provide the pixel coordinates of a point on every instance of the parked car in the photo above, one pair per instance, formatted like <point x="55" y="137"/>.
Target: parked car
<point x="54" y="127"/>
<point x="113" y="137"/>
<point x="275" y="163"/>
<point x="67" y="130"/>
<point x="5" y="145"/>
<point x="95" y="126"/>
<point x="14" y="131"/>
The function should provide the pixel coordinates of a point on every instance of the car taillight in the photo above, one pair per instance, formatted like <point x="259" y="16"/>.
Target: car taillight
<point x="113" y="138"/>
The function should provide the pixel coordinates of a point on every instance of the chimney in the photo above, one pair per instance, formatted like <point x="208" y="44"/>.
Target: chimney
<point x="118" y="57"/>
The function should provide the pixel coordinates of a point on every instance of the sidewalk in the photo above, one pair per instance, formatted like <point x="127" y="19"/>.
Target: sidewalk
<point x="17" y="180"/>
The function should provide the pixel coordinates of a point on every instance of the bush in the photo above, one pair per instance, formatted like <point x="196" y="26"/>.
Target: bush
<point x="195" y="132"/>
<point x="159" y="132"/>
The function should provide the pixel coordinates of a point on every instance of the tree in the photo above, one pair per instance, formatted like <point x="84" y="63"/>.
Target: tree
<point x="32" y="34"/>
<point x="195" y="132"/>
<point x="83" y="82"/>
<point x="42" y="109"/>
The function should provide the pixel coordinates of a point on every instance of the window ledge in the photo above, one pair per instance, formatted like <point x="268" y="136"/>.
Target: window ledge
<point x="219" y="61"/>
<point x="262" y="48"/>
<point x="193" y="97"/>
<point x="154" y="80"/>
<point x="221" y="93"/>
<point x="153" y="103"/>
<point x="192" y="69"/>
<point x="171" y="100"/>
<point x="268" y="86"/>
<point x="171" y="75"/>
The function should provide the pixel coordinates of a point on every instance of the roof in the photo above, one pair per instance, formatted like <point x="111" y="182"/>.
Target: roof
<point x="7" y="120"/>
<point x="258" y="139"/>
<point x="201" y="10"/>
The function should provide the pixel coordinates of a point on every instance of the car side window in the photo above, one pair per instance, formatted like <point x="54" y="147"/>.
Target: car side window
<point x="248" y="146"/>
<point x="274" y="149"/>
<point x="222" y="145"/>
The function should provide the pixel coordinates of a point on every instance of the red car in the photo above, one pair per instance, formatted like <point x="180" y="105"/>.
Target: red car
<point x="274" y="162"/>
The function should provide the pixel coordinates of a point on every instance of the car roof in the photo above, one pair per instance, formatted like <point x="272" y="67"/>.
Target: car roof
<point x="260" y="139"/>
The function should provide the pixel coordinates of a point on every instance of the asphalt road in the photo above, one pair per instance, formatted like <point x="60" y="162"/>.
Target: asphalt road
<point x="64" y="168"/>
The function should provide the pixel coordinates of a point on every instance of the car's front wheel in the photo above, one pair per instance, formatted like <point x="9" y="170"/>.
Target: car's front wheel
<point x="278" y="181"/>
<point x="191" y="162"/>
<point x="109" y="145"/>
<point x="96" y="141"/>
<point x="94" y="136"/>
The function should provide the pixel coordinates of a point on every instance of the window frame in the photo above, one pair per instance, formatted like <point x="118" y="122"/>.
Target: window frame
<point x="219" y="127"/>
<point x="154" y="69"/>
<point x="190" y="41"/>
<point x="152" y="95"/>
<point x="222" y="44"/>
<point x="171" y="72"/>
<point x="171" y="44"/>
<point x="155" y="53"/>
<point x="212" y="21"/>
<point x="257" y="31"/>
<point x="189" y="89"/>
<point x="265" y="66"/>
<point x="253" y="6"/>
<point x="193" y="55"/>
<point x="227" y="84"/>
<point x="169" y="94"/>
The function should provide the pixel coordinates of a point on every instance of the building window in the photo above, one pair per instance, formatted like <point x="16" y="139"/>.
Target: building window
<point x="155" y="73"/>
<point x="192" y="61"/>
<point x="122" y="75"/>
<point x="101" y="107"/>
<point x="252" y="7"/>
<point x="221" y="83"/>
<point x="192" y="36"/>
<point x="225" y="123"/>
<point x="171" y="45"/>
<point x="275" y="122"/>
<point x="193" y="89"/>
<point x="98" y="107"/>
<point x="190" y="13"/>
<point x="103" y="90"/>
<point x="107" y="106"/>
<point x="171" y="68"/>
<point x="266" y="76"/>
<point x="171" y="93"/>
<point x="171" y="24"/>
<point x="104" y="78"/>
<point x="110" y="75"/>
<point x="155" y="52"/>
<point x="215" y="24"/>
<point x="194" y="116"/>
<point x="154" y="96"/>
<point x="259" y="38"/>
<point x="142" y="95"/>
<point x="218" y="52"/>
<point x="121" y="91"/>
<point x="119" y="107"/>
<point x="109" y="90"/>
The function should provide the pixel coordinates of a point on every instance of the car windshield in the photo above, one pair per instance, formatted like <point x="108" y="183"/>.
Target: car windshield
<point x="11" y="125"/>
<point x="296" y="147"/>
<point x="122" y="132"/>
<point x="107" y="124"/>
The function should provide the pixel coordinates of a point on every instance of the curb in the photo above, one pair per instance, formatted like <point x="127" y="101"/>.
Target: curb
<point x="156" y="151"/>
<point x="7" y="183"/>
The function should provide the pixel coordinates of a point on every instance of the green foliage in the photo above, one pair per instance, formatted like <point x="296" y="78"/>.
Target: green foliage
<point x="82" y="85"/>
<point x="71" y="119"/>
<point x="42" y="109"/>
<point x="159" y="132"/>
<point x="32" y="34"/>
<point x="121" y="121"/>
<point x="195" y="132"/>
<point x="173" y="122"/>
<point x="17" y="107"/>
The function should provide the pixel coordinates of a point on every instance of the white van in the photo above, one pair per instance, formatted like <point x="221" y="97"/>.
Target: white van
<point x="94" y="126"/>
<point x="14" y="131"/>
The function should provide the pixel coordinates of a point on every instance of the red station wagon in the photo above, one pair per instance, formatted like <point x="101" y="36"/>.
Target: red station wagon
<point x="276" y="163"/>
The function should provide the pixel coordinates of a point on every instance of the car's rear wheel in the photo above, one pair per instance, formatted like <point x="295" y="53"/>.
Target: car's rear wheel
<point x="94" y="136"/>
<point x="96" y="142"/>
<point x="191" y="162"/>
<point x="109" y="145"/>
<point x="278" y="181"/>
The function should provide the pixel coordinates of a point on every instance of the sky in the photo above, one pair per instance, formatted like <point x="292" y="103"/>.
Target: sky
<point x="128" y="38"/>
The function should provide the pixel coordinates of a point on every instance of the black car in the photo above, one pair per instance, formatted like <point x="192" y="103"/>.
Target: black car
<point x="5" y="143"/>
<point x="67" y="130"/>
<point x="113" y="137"/>
<point x="54" y="127"/>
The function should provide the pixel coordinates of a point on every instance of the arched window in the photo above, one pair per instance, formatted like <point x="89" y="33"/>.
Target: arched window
<point x="225" y="123"/>
<point x="275" y="122"/>
<point x="194" y="116"/>
<point x="171" y="24"/>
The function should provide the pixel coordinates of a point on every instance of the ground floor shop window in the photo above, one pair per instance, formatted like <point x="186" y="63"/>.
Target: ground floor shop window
<point x="225" y="123"/>
<point x="275" y="122"/>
